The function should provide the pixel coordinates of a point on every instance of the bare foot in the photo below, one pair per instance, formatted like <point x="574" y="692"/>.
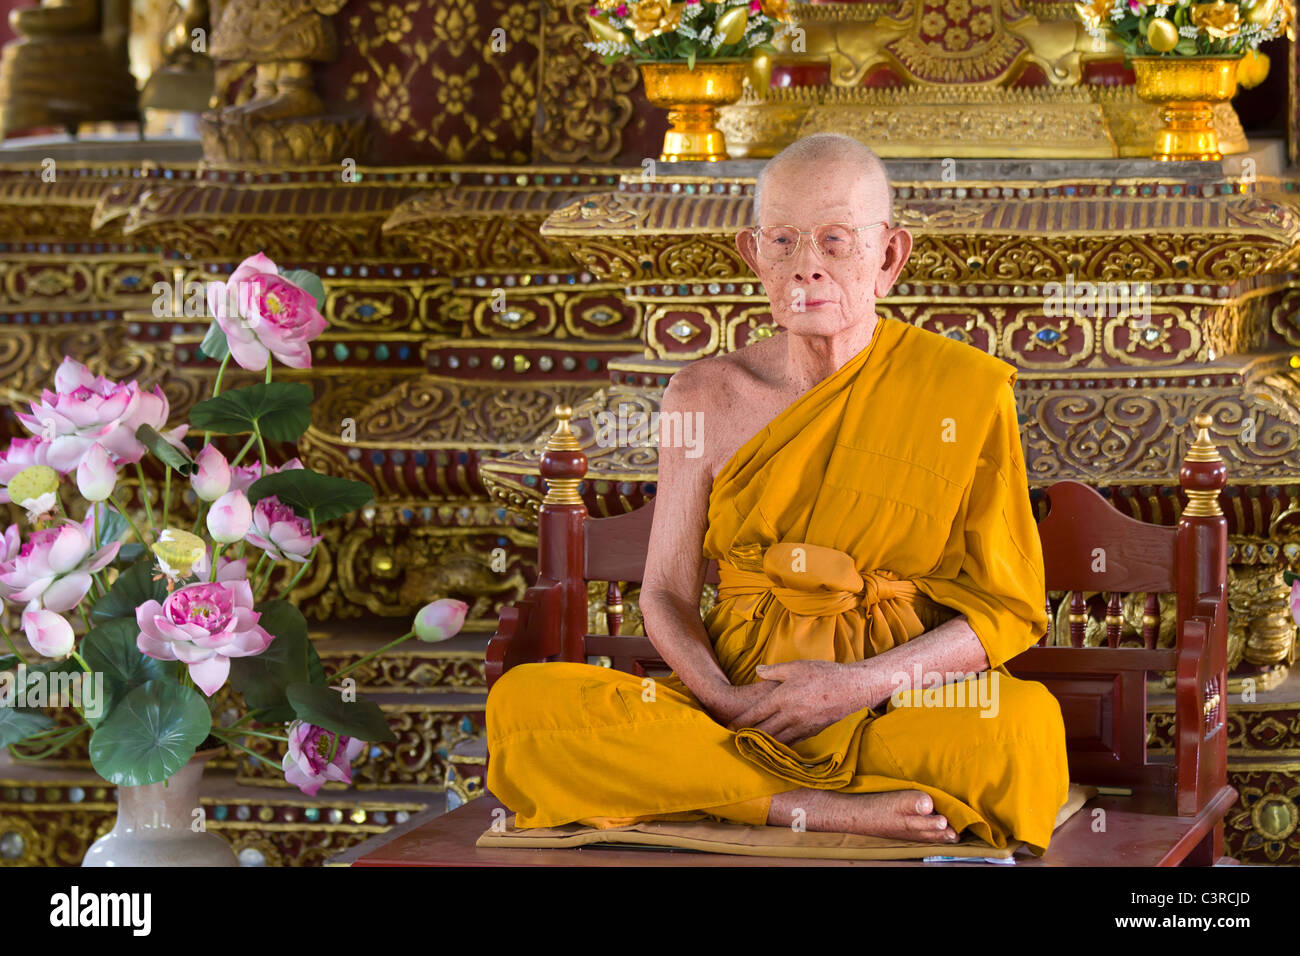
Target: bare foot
<point x="899" y="814"/>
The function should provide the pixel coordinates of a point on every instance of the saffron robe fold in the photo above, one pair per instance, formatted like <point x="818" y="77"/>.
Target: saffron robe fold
<point x="884" y="500"/>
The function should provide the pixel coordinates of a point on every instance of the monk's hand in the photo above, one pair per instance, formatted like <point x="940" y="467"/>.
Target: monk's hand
<point x="810" y="696"/>
<point x="729" y="701"/>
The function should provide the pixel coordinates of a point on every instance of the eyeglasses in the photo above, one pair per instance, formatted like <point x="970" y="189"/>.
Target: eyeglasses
<point x="835" y="241"/>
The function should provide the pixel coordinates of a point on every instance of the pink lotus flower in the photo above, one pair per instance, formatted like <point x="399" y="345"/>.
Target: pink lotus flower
<point x="756" y="6"/>
<point x="230" y="517"/>
<point x="52" y="568"/>
<point x="10" y="544"/>
<point x="211" y="479"/>
<point x="203" y="626"/>
<point x="264" y="314"/>
<point x="21" y="453"/>
<point x="96" y="474"/>
<point x="307" y="765"/>
<point x="242" y="476"/>
<point x="49" y="634"/>
<point x="280" y="532"/>
<point x="152" y="409"/>
<point x="440" y="620"/>
<point x="620" y="10"/>
<point x="85" y="409"/>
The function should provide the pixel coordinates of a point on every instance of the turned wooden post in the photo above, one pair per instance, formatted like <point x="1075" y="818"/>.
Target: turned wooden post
<point x="560" y="545"/>
<point x="1202" y="559"/>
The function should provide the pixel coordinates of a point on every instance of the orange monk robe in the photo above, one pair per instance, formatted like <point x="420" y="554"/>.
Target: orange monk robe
<point x="889" y="497"/>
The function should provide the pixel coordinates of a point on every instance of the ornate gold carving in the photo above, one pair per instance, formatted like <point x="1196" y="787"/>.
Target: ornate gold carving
<point x="1120" y="435"/>
<point x="584" y="105"/>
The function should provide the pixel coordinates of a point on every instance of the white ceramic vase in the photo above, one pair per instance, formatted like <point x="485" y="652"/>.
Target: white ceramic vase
<point x="155" y="825"/>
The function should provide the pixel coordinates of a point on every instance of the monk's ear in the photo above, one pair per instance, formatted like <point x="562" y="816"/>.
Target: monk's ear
<point x="748" y="248"/>
<point x="897" y="249"/>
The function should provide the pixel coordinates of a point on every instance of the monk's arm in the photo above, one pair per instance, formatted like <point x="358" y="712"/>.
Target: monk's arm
<point x="949" y="649"/>
<point x="675" y="564"/>
<point x="999" y="586"/>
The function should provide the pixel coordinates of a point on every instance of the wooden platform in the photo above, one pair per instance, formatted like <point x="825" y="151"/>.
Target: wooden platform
<point x="1139" y="831"/>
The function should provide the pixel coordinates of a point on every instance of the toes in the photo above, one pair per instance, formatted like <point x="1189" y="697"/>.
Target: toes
<point x="924" y="804"/>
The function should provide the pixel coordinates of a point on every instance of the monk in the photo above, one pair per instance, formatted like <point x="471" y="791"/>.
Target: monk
<point x="863" y="489"/>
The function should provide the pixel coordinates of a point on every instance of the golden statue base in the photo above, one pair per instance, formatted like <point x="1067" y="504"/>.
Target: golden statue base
<point x="1040" y="123"/>
<point x="229" y="138"/>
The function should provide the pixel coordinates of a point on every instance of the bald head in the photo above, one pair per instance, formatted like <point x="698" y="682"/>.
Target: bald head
<point x="822" y="149"/>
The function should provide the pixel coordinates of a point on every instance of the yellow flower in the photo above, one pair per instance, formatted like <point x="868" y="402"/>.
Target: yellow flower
<point x="646" y="15"/>
<point x="1219" y="20"/>
<point x="776" y="9"/>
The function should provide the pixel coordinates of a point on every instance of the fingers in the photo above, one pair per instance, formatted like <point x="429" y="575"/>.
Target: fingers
<point x="758" y="712"/>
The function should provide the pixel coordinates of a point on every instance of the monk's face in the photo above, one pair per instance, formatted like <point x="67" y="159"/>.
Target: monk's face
<point x="811" y="295"/>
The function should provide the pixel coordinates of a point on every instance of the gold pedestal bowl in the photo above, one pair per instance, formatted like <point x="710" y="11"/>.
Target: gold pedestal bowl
<point x="1186" y="89"/>
<point x="692" y="98"/>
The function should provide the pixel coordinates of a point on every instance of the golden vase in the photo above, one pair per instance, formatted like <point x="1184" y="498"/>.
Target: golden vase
<point x="1186" y="89"/>
<point x="692" y="98"/>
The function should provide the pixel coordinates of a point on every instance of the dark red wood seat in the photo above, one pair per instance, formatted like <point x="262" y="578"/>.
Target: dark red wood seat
<point x="1174" y="813"/>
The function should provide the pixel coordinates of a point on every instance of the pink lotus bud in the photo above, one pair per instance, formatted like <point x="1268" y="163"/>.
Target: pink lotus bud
<point x="212" y="478"/>
<point x="49" y="634"/>
<point x="230" y="517"/>
<point x="440" y="620"/>
<point x="96" y="474"/>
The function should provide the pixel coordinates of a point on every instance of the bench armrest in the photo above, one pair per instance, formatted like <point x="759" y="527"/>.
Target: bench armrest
<point x="1200" y="698"/>
<point x="527" y="631"/>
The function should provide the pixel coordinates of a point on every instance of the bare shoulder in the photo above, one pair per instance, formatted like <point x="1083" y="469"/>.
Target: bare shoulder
<point x="709" y="380"/>
<point x="732" y="394"/>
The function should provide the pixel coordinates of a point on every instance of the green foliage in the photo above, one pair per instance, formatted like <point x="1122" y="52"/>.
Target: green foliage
<point x="132" y="588"/>
<point x="150" y="734"/>
<point x="281" y="410"/>
<point x="311" y="494"/>
<point x="214" y="344"/>
<point x="165" y="451"/>
<point x="290" y="659"/>
<point x="111" y="649"/>
<point x="326" y="708"/>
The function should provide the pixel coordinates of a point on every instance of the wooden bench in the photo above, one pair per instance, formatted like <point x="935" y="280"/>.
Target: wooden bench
<point x="1174" y="812"/>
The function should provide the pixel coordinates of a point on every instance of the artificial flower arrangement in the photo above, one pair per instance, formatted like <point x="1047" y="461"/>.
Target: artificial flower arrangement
<point x="1184" y="28"/>
<point x="689" y="30"/>
<point x="161" y="614"/>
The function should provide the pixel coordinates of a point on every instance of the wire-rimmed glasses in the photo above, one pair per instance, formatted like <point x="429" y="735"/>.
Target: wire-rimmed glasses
<point x="834" y="241"/>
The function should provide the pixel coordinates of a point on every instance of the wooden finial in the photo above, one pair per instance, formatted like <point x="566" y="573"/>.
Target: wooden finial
<point x="563" y="439"/>
<point x="1203" y="449"/>
<point x="1203" y="473"/>
<point x="563" y="463"/>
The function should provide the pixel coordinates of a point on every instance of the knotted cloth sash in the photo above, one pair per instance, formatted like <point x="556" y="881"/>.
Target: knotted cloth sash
<point x="796" y="601"/>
